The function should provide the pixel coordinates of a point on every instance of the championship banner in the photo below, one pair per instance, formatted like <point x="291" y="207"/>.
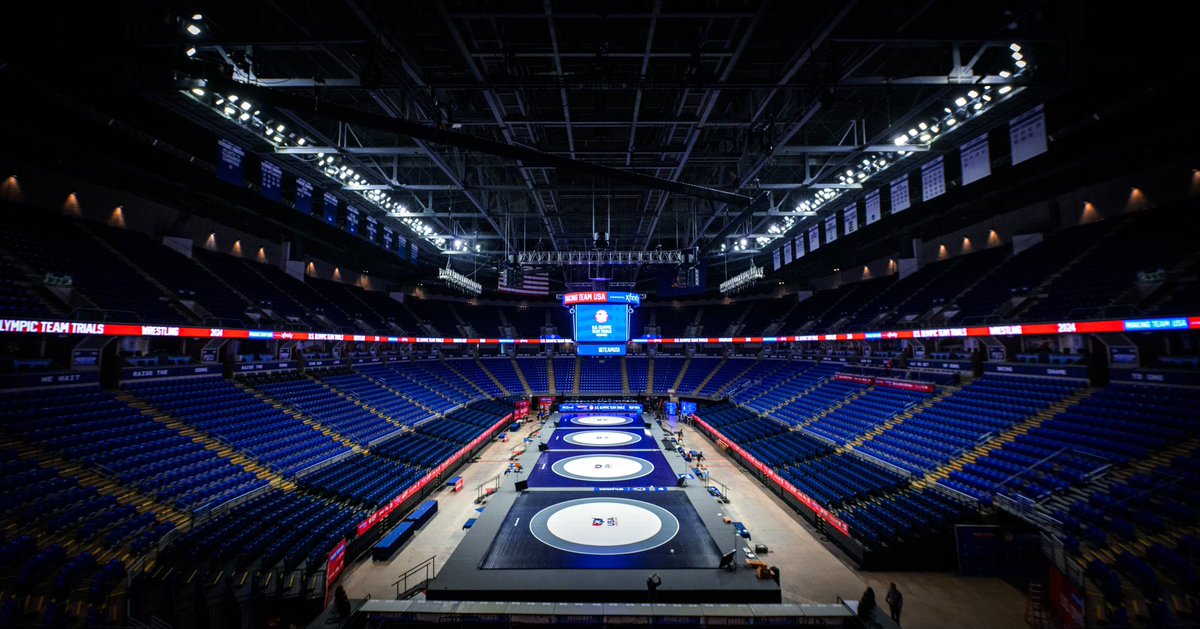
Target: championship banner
<point x="229" y="162"/>
<point x="401" y="244"/>
<point x="850" y="218"/>
<point x="976" y="160"/>
<point x="1028" y="135"/>
<point x="351" y="219"/>
<point x="798" y="245"/>
<point x="372" y="228"/>
<point x="933" y="179"/>
<point x="787" y="253"/>
<point x="831" y="228"/>
<point x="331" y="208"/>
<point x="900" y="198"/>
<point x="272" y="181"/>
<point x="388" y="237"/>
<point x="412" y="252"/>
<point x="304" y="191"/>
<point x="873" y="211"/>
<point x="814" y="238"/>
<point x="775" y="258"/>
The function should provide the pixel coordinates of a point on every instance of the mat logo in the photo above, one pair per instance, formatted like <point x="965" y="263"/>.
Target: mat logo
<point x="604" y="521"/>
<point x="603" y="466"/>
<point x="601" y="316"/>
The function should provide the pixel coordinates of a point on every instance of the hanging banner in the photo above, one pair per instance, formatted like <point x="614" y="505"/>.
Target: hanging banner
<point x="900" y="199"/>
<point x="775" y="259"/>
<point x="814" y="238"/>
<point x="787" y="252"/>
<point x="401" y="244"/>
<point x="798" y="245"/>
<point x="933" y="179"/>
<point x="351" y="219"/>
<point x="272" y="181"/>
<point x="331" y="208"/>
<point x="229" y="162"/>
<point x="388" y="236"/>
<point x="831" y="228"/>
<point x="1028" y="134"/>
<point x="412" y="253"/>
<point x="850" y="218"/>
<point x="873" y="207"/>
<point x="372" y="228"/>
<point x="304" y="197"/>
<point x="976" y="160"/>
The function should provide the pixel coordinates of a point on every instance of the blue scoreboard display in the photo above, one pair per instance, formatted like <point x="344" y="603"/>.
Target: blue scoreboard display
<point x="604" y="323"/>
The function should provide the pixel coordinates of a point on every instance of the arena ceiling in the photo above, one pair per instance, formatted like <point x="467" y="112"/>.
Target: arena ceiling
<point x="493" y="127"/>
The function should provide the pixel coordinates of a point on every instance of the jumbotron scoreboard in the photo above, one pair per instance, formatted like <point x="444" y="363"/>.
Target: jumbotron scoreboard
<point x="601" y="321"/>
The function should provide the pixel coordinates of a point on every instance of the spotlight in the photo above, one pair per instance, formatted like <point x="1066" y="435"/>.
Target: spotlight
<point x="245" y="105"/>
<point x="197" y="91"/>
<point x="193" y="29"/>
<point x="1004" y="74"/>
<point x="244" y="117"/>
<point x="1021" y="63"/>
<point x="191" y="52"/>
<point x="973" y="94"/>
<point x="1018" y="56"/>
<point x="900" y="140"/>
<point x="233" y="98"/>
<point x="1014" y="47"/>
<point x="960" y="101"/>
<point x="279" y="128"/>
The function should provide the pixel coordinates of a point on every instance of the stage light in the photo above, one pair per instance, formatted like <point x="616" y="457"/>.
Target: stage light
<point x="950" y="122"/>
<point x="912" y="133"/>
<point x="1021" y="63"/>
<point x="742" y="242"/>
<point x="1004" y="74"/>
<point x="193" y="29"/>
<point x="300" y="141"/>
<point x="1014" y="47"/>
<point x="279" y="128"/>
<point x="900" y="140"/>
<point x="191" y="52"/>
<point x="233" y="98"/>
<point x="973" y="94"/>
<point x="1006" y="89"/>
<point x="922" y="126"/>
<point x="278" y="139"/>
<point x="197" y="91"/>
<point x="960" y="101"/>
<point x="229" y="111"/>
<point x="978" y="106"/>
<point x="849" y="173"/>
<point x="244" y="117"/>
<point x="246" y="105"/>
<point x="1018" y="56"/>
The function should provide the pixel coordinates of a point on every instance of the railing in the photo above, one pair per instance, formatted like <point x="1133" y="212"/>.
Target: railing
<point x="407" y="584"/>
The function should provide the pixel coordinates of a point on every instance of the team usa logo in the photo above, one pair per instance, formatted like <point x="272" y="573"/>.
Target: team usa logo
<point x="601" y="316"/>
<point x="604" y="521"/>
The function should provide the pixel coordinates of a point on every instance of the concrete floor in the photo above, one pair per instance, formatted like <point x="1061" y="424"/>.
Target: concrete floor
<point x="812" y="571"/>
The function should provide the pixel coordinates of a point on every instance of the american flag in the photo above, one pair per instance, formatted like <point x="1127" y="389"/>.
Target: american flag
<point x="531" y="284"/>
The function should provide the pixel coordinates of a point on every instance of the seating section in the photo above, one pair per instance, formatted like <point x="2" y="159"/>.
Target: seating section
<point x="435" y="440"/>
<point x="360" y="385"/>
<point x="865" y="413"/>
<point x="92" y="427"/>
<point x="536" y="373"/>
<point x="473" y="373"/>
<point x="666" y="370"/>
<point x="17" y="300"/>
<point x="564" y="373"/>
<point x="1117" y="425"/>
<point x="785" y="385"/>
<point x="224" y="412"/>
<point x="283" y="529"/>
<point x="331" y="408"/>
<point x="371" y="481"/>
<point x="723" y="376"/>
<point x="823" y="395"/>
<point x="638" y="369"/>
<point x="600" y="375"/>
<point x="428" y="383"/>
<point x="901" y="516"/>
<point x="697" y="371"/>
<point x="984" y="408"/>
<point x="506" y="373"/>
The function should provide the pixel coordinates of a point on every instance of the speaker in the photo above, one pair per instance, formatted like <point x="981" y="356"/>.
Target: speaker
<point x="522" y="485"/>
<point x="542" y="447"/>
<point x="681" y="481"/>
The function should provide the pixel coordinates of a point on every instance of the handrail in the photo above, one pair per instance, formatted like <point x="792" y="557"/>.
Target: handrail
<point x="428" y="566"/>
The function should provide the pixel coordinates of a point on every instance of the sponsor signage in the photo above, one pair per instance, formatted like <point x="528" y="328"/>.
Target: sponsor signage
<point x="602" y="407"/>
<point x="587" y="349"/>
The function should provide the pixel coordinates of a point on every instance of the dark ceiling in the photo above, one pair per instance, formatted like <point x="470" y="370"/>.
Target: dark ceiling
<point x="753" y="106"/>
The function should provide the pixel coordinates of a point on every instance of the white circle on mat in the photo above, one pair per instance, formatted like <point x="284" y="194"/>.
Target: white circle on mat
<point x="602" y="420"/>
<point x="602" y="467"/>
<point x="603" y="438"/>
<point x="604" y="524"/>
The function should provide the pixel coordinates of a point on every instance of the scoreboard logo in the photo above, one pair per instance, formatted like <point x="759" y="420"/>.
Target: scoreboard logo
<point x="601" y="316"/>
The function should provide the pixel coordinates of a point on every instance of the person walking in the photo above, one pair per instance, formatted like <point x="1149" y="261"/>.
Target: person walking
<point x="895" y="601"/>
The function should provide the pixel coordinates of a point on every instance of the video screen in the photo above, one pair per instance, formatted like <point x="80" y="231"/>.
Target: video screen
<point x="606" y="323"/>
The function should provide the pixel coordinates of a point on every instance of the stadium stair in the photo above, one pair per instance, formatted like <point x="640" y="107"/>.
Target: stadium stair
<point x="550" y="376"/>
<point x="624" y="376"/>
<point x="687" y="362"/>
<point x="704" y="382"/>
<point x="1015" y="312"/>
<point x="649" y="374"/>
<point x="578" y="370"/>
<point x="449" y="365"/>
<point x="1009" y="435"/>
<point x="899" y="419"/>
<point x="88" y="477"/>
<point x="309" y="420"/>
<point x="520" y="376"/>
<point x="222" y="450"/>
<point x="484" y="369"/>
